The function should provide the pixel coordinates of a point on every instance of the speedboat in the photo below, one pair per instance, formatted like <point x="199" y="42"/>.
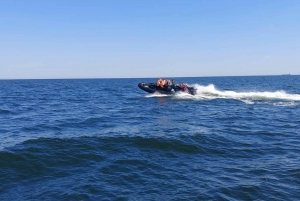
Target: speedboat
<point x="167" y="89"/>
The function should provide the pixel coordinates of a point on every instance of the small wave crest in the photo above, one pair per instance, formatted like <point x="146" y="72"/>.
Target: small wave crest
<point x="5" y="111"/>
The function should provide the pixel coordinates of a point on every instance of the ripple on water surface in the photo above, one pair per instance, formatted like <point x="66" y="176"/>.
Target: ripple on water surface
<point x="146" y="167"/>
<point x="237" y="139"/>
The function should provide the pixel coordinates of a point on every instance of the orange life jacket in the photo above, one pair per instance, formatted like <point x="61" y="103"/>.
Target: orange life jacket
<point x="158" y="83"/>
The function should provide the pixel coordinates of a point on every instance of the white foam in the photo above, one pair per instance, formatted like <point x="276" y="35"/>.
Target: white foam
<point x="183" y="95"/>
<point x="287" y="104"/>
<point x="156" y="95"/>
<point x="210" y="92"/>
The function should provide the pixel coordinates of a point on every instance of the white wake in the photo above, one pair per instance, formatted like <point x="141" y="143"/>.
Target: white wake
<point x="211" y="92"/>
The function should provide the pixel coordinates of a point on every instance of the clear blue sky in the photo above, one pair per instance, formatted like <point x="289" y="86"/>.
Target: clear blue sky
<point x="134" y="38"/>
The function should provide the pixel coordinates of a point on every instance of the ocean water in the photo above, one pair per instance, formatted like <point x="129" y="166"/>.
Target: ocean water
<point x="106" y="139"/>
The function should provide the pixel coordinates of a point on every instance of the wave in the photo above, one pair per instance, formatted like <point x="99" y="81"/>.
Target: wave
<point x="211" y="92"/>
<point x="159" y="164"/>
<point x="5" y="111"/>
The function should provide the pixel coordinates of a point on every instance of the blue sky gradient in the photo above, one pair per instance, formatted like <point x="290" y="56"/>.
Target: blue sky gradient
<point x="108" y="39"/>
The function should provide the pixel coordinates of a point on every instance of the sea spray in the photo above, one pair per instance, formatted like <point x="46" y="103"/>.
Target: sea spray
<point x="211" y="92"/>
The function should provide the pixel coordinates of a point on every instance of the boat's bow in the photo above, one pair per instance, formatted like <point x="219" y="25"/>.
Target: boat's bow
<point x="148" y="87"/>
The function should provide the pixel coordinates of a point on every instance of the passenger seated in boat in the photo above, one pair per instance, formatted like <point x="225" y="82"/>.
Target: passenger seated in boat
<point x="167" y="83"/>
<point x="160" y="82"/>
<point x="184" y="87"/>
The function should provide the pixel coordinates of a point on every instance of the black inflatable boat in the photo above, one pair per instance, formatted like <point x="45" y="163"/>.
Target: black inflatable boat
<point x="170" y="89"/>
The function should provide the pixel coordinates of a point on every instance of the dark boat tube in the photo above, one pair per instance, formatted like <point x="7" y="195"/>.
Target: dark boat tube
<point x="172" y="89"/>
<point x="149" y="87"/>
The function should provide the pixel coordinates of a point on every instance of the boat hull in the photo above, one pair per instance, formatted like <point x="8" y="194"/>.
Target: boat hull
<point x="152" y="88"/>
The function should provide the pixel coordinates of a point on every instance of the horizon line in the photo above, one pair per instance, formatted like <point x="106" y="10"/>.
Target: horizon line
<point x="143" y="77"/>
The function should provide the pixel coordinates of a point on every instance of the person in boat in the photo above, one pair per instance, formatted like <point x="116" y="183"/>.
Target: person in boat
<point x="184" y="87"/>
<point x="167" y="83"/>
<point x="162" y="83"/>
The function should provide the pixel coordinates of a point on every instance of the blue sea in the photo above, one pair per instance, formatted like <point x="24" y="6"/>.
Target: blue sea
<point x="106" y="139"/>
